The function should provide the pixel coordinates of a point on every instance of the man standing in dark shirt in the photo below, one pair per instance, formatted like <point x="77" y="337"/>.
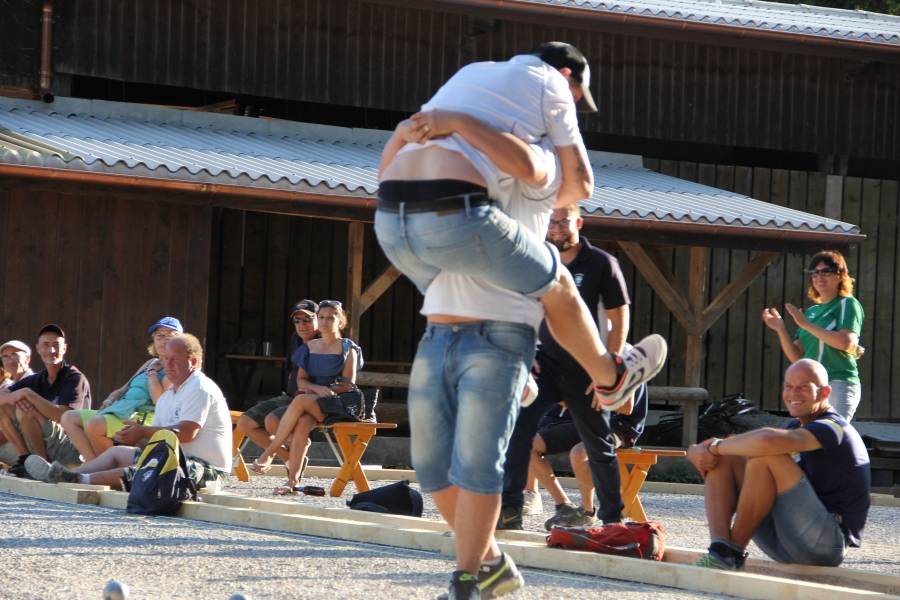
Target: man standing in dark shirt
<point x="561" y="379"/>
<point x="41" y="399"/>
<point x="801" y="492"/>
<point x="254" y="422"/>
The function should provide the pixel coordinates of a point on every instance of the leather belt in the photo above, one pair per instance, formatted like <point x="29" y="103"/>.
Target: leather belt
<point x="450" y="203"/>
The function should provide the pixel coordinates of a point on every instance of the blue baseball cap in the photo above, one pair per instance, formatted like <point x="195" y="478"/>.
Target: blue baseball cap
<point x="170" y="322"/>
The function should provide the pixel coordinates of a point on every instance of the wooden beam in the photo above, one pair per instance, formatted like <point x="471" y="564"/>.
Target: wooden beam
<point x="694" y="359"/>
<point x="355" y="234"/>
<point x="661" y="283"/>
<point x="735" y="288"/>
<point x="379" y="286"/>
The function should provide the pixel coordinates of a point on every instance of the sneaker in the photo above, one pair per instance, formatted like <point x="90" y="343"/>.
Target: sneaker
<point x="463" y="586"/>
<point x="530" y="392"/>
<point x="59" y="473"/>
<point x="636" y="366"/>
<point x="562" y="510"/>
<point x="711" y="560"/>
<point x="579" y="518"/>
<point x="18" y="470"/>
<point x="533" y="503"/>
<point x="739" y="562"/>
<point x="37" y="467"/>
<point x="497" y="580"/>
<point x="510" y="518"/>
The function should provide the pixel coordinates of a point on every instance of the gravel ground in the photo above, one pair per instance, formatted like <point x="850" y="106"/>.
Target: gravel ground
<point x="56" y="551"/>
<point x="683" y="518"/>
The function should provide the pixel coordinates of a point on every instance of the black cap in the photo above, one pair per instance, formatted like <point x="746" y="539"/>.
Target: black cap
<point x="561" y="55"/>
<point x="305" y="306"/>
<point x="52" y="328"/>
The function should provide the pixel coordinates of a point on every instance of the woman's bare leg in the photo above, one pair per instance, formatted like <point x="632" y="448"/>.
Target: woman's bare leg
<point x="73" y="425"/>
<point x="293" y="413"/>
<point x="299" y="439"/>
<point x="96" y="431"/>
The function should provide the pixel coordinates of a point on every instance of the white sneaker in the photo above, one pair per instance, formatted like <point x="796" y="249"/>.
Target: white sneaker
<point x="533" y="503"/>
<point x="636" y="366"/>
<point x="530" y="392"/>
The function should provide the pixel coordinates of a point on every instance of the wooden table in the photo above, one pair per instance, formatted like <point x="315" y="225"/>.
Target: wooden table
<point x="642" y="459"/>
<point x="247" y="387"/>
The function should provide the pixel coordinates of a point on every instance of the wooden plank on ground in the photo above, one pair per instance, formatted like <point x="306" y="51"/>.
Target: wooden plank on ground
<point x="46" y="491"/>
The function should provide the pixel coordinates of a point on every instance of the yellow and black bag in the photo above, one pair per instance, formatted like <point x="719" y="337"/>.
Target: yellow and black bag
<point x="161" y="483"/>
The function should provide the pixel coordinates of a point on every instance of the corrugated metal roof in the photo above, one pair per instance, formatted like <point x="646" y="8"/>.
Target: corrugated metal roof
<point x="209" y="148"/>
<point x="858" y="25"/>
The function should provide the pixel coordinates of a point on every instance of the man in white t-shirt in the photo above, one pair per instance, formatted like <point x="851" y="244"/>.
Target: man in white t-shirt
<point x="193" y="406"/>
<point x="445" y="193"/>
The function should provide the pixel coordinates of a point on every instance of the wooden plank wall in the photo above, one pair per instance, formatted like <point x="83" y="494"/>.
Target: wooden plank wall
<point x="103" y="269"/>
<point x="742" y="354"/>
<point x="262" y="263"/>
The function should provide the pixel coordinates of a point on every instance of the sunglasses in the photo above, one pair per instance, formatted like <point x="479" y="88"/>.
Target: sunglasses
<point x="303" y="319"/>
<point x="330" y="303"/>
<point x="827" y="272"/>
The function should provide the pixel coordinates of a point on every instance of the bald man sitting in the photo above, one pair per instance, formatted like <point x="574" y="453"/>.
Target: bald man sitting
<point x="801" y="492"/>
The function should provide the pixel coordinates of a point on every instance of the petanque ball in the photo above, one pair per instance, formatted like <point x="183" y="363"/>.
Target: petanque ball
<point x="115" y="591"/>
<point x="240" y="597"/>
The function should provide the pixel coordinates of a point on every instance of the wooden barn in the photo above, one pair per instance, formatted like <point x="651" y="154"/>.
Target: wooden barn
<point x="104" y="227"/>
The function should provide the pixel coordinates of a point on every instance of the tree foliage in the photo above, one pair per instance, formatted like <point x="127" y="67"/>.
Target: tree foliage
<point x="888" y="7"/>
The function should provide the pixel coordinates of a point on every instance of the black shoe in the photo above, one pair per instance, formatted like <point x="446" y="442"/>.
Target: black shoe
<point x="464" y="586"/>
<point x="495" y="581"/>
<point x="579" y="518"/>
<point x="18" y="470"/>
<point x="510" y="518"/>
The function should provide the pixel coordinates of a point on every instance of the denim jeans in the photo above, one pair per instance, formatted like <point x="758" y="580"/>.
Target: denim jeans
<point x="844" y="398"/>
<point x="800" y="530"/>
<point x="480" y="241"/>
<point x="464" y="394"/>
<point x="556" y="385"/>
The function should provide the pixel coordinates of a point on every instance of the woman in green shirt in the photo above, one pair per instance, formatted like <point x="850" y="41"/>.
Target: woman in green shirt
<point x="829" y="330"/>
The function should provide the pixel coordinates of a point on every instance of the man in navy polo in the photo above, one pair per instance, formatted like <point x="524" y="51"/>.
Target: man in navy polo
<point x="561" y="379"/>
<point x="39" y="401"/>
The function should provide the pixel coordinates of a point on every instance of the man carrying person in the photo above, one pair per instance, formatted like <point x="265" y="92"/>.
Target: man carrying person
<point x="193" y="405"/>
<point x="561" y="379"/>
<point x="262" y="420"/>
<point x="561" y="435"/>
<point x="801" y="493"/>
<point x="31" y="408"/>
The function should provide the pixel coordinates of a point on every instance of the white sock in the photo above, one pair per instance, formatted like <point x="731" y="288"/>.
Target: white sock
<point x="85" y="478"/>
<point x="494" y="563"/>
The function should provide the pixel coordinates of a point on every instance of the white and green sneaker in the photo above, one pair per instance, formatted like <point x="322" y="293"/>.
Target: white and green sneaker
<point x="495" y="581"/>
<point x="713" y="561"/>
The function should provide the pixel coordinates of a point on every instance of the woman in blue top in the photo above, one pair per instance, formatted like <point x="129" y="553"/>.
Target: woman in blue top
<point x="320" y="363"/>
<point x="91" y="431"/>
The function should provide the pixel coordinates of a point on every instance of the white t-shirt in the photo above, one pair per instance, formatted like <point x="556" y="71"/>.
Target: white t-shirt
<point x="8" y="382"/>
<point x="200" y="401"/>
<point x="523" y="96"/>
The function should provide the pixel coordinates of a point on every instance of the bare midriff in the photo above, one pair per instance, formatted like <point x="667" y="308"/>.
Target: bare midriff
<point x="432" y="162"/>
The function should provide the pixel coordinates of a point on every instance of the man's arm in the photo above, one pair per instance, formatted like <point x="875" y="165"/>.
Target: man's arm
<point x="47" y="409"/>
<point x="769" y="442"/>
<point x="619" y="320"/>
<point x="578" y="177"/>
<point x="137" y="433"/>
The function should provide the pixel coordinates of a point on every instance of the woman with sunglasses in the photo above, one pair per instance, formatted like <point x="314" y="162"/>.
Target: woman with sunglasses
<point x="829" y="330"/>
<point x="91" y="431"/>
<point x="320" y="363"/>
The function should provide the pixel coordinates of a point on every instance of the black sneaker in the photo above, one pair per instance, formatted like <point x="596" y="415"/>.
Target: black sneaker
<point x="497" y="580"/>
<point x="510" y="518"/>
<point x="463" y="586"/>
<point x="562" y="510"/>
<point x="18" y="470"/>
<point x="59" y="473"/>
<point x="579" y="518"/>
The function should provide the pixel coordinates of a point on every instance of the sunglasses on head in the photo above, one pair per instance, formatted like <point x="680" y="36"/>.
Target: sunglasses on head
<point x="826" y="271"/>
<point x="304" y="319"/>
<point x="330" y="303"/>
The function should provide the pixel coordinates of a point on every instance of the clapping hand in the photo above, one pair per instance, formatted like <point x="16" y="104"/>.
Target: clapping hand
<point x="772" y="319"/>
<point x="797" y="314"/>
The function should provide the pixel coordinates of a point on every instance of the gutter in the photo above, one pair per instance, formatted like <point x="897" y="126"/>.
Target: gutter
<point x="555" y="15"/>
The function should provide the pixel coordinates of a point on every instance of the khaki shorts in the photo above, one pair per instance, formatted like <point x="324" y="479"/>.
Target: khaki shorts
<point x="58" y="445"/>
<point x="259" y="412"/>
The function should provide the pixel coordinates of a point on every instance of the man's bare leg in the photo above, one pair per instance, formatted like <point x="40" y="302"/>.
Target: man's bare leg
<point x="117" y="457"/>
<point x="582" y="468"/>
<point x="540" y="470"/>
<point x="476" y="515"/>
<point x="32" y="423"/>
<point x="765" y="477"/>
<point x="720" y="492"/>
<point x="260" y="435"/>
<point x="8" y="426"/>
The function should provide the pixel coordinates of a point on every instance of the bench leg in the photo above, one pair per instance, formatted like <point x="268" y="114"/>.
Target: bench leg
<point x="237" y="463"/>
<point x="353" y="453"/>
<point x="631" y="485"/>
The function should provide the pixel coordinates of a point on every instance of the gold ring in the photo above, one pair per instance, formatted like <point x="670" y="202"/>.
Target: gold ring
<point x="426" y="128"/>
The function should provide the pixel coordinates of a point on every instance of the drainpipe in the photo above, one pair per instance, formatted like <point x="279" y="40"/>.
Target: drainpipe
<point x="46" y="51"/>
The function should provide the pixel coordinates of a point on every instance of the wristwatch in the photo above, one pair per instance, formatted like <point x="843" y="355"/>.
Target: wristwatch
<point x="713" y="447"/>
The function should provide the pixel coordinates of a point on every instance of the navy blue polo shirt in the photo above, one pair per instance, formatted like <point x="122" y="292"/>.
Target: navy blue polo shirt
<point x="599" y="279"/>
<point x="70" y="388"/>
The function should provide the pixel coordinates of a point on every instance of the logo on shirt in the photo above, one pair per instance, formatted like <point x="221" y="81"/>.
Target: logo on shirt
<point x="177" y="413"/>
<point x="578" y="277"/>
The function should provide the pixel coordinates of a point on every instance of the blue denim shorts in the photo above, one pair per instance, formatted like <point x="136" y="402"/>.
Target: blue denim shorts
<point x="800" y="530"/>
<point x="844" y="398"/>
<point x="481" y="241"/>
<point x="464" y="395"/>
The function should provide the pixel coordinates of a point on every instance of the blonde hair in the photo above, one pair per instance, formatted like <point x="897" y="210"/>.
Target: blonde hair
<point x="573" y="211"/>
<point x="835" y="260"/>
<point x="151" y="349"/>
<point x="192" y="345"/>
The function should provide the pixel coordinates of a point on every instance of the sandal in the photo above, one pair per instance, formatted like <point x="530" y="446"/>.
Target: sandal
<point x="261" y="468"/>
<point x="285" y="490"/>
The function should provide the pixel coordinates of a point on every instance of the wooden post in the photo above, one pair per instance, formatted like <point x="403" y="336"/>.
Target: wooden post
<point x="693" y="364"/>
<point x="354" y="278"/>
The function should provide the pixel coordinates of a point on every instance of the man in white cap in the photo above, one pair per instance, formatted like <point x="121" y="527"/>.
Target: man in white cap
<point x="16" y="360"/>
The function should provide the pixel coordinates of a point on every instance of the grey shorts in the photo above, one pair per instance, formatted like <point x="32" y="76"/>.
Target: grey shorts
<point x="259" y="412"/>
<point x="800" y="530"/>
<point x="58" y="445"/>
<point x="199" y="471"/>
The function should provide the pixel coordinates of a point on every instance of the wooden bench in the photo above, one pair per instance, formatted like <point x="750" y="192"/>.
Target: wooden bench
<point x="351" y="452"/>
<point x="632" y="480"/>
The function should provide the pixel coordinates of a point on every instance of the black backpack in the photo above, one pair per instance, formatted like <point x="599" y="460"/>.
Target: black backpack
<point x="395" y="499"/>
<point x="160" y="484"/>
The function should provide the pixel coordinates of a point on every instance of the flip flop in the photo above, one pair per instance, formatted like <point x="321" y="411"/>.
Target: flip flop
<point x="285" y="491"/>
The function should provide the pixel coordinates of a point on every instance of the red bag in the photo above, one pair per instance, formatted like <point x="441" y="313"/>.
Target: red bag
<point x="643" y="540"/>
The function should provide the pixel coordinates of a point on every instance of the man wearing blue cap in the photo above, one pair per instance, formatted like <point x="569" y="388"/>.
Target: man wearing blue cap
<point x="35" y="400"/>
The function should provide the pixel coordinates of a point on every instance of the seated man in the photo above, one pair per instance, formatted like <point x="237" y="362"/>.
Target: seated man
<point x="16" y="360"/>
<point x="261" y="421"/>
<point x="193" y="406"/>
<point x="801" y="493"/>
<point x="31" y="408"/>
<point x="559" y="434"/>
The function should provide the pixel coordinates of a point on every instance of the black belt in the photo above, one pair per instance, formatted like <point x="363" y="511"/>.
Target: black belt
<point x="437" y="205"/>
